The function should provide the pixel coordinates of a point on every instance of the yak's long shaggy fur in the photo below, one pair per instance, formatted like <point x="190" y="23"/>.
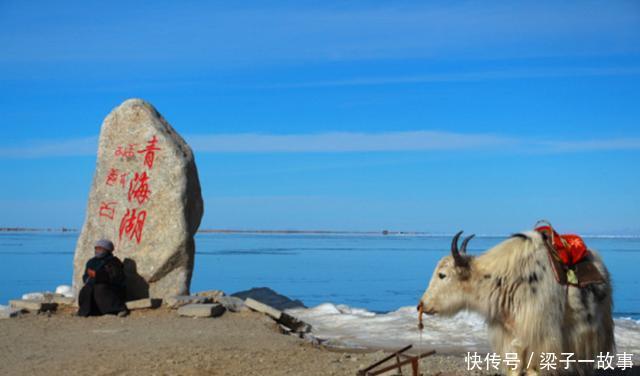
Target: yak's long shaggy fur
<point x="527" y="312"/>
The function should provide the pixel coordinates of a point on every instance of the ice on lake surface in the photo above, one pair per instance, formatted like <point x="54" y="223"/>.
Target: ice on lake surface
<point x="344" y="326"/>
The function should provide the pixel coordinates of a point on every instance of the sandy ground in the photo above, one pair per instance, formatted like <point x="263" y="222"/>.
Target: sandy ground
<point x="158" y="342"/>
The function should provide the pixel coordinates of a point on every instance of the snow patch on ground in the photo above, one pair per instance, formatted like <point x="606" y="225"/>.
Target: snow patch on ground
<point x="345" y="326"/>
<point x="65" y="290"/>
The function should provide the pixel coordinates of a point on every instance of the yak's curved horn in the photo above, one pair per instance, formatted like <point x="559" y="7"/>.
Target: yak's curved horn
<point x="454" y="243"/>
<point x="457" y="257"/>
<point x="463" y="249"/>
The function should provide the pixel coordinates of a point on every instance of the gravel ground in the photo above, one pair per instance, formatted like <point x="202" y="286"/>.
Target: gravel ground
<point x="158" y="342"/>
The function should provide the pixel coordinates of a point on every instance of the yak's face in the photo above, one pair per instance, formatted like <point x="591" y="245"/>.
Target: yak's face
<point x="447" y="291"/>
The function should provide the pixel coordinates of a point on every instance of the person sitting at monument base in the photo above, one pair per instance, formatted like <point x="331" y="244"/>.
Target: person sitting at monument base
<point x="104" y="284"/>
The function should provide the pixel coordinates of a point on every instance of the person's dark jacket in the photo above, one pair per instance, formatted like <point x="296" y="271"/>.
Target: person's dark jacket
<point x="108" y="269"/>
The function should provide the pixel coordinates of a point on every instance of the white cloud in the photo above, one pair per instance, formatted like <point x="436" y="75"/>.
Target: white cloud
<point x="51" y="148"/>
<point x="592" y="145"/>
<point x="347" y="142"/>
<point x="464" y="77"/>
<point x="339" y="142"/>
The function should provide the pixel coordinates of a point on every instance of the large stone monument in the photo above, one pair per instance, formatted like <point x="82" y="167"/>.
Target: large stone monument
<point x="146" y="198"/>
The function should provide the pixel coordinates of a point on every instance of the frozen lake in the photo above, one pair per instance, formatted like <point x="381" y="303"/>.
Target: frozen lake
<point x="377" y="273"/>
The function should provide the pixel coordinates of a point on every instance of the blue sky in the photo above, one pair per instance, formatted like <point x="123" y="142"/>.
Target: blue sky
<point x="427" y="116"/>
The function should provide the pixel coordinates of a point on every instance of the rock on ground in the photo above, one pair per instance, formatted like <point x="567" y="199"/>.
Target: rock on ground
<point x="269" y="297"/>
<point x="201" y="310"/>
<point x="263" y="308"/>
<point x="145" y="197"/>
<point x="232" y="303"/>
<point x="8" y="313"/>
<point x="63" y="300"/>
<point x="33" y="305"/>
<point x="214" y="294"/>
<point x="180" y="300"/>
<point x="143" y="304"/>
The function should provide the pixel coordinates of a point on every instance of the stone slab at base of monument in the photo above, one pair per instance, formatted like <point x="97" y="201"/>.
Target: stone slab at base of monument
<point x="49" y="297"/>
<point x="146" y="303"/>
<point x="145" y="198"/>
<point x="201" y="310"/>
<point x="233" y="304"/>
<point x="263" y="308"/>
<point x="33" y="305"/>
<point x="63" y="300"/>
<point x="215" y="294"/>
<point x="9" y="313"/>
<point x="181" y="300"/>
<point x="292" y="324"/>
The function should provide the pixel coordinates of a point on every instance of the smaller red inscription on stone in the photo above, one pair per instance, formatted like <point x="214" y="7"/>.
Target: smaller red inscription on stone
<point x="123" y="179"/>
<point x="112" y="177"/>
<point x="139" y="188"/>
<point x="127" y="152"/>
<point x="150" y="152"/>
<point x="107" y="209"/>
<point x="132" y="224"/>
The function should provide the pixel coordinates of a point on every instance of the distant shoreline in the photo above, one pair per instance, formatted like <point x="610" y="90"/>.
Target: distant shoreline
<point x="234" y="231"/>
<point x="316" y="232"/>
<point x="34" y="229"/>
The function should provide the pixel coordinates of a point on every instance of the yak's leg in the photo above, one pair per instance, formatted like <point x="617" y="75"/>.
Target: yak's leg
<point x="504" y="342"/>
<point x="501" y="339"/>
<point x="529" y="363"/>
<point x="519" y="348"/>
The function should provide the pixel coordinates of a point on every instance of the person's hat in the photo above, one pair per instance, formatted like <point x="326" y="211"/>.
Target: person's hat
<point x="106" y="244"/>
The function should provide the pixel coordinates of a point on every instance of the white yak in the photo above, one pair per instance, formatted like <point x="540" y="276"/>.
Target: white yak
<point x="527" y="312"/>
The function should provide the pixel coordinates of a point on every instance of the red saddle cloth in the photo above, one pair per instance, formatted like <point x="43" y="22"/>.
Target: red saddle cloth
<point x="569" y="248"/>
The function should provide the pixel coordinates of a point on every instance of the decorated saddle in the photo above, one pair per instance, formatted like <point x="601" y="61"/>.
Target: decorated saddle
<point x="571" y="260"/>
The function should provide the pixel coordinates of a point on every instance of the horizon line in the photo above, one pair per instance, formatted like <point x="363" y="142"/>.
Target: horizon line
<point x="383" y="232"/>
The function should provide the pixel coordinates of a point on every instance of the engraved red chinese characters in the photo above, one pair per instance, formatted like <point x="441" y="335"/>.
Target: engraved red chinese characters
<point x="150" y="152"/>
<point x="139" y="188"/>
<point x="127" y="152"/>
<point x="132" y="224"/>
<point x="112" y="177"/>
<point x="107" y="209"/>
